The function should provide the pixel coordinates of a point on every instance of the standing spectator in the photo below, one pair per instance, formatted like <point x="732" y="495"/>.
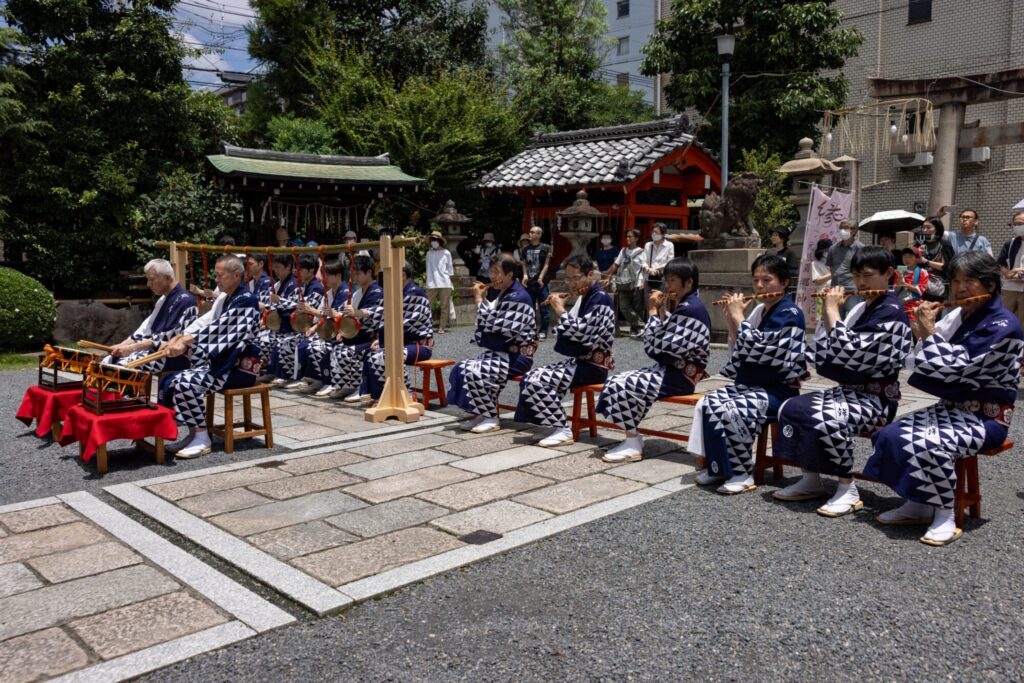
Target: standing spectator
<point x="1011" y="264"/>
<point x="820" y="274"/>
<point x="606" y="253"/>
<point x="657" y="253"/>
<point x="838" y="262"/>
<point x="439" y="278"/>
<point x="628" y="271"/>
<point x="536" y="257"/>
<point x="524" y="239"/>
<point x="911" y="280"/>
<point x="967" y="238"/>
<point x="935" y="254"/>
<point x="487" y="252"/>
<point x="780" y="247"/>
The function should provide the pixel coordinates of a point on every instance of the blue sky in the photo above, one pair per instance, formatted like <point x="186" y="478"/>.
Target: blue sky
<point x="217" y="27"/>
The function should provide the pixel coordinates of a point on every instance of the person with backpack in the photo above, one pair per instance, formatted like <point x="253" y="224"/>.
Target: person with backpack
<point x="912" y="279"/>
<point x="628" y="275"/>
<point x="935" y="254"/>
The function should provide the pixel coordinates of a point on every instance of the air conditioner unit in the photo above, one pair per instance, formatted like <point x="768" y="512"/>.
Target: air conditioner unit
<point x="913" y="160"/>
<point x="975" y="155"/>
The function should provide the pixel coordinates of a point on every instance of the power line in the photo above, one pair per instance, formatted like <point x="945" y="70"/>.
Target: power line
<point x="217" y="9"/>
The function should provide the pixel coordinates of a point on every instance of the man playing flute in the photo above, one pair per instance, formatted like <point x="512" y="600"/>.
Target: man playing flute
<point x="767" y="361"/>
<point x="585" y="335"/>
<point x="971" y="361"/>
<point x="863" y="353"/>
<point x="507" y="331"/>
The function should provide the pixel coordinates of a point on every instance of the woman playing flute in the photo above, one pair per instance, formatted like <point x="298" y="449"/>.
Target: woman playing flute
<point x="767" y="361"/>
<point x="863" y="353"/>
<point x="970" y="360"/>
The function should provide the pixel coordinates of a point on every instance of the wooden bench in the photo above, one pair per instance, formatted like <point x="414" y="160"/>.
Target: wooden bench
<point x="589" y="391"/>
<point x="968" y="488"/>
<point x="428" y="394"/>
<point x="250" y="429"/>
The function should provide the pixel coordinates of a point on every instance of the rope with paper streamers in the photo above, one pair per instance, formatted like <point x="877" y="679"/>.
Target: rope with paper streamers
<point x="895" y="127"/>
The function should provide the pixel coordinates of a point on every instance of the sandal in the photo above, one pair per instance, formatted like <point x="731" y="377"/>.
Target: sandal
<point x="825" y="512"/>
<point x="938" y="544"/>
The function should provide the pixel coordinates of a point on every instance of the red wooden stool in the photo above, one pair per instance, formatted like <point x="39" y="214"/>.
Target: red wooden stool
<point x="48" y="408"/>
<point x="93" y="432"/>
<point x="434" y="365"/>
<point x="591" y="422"/>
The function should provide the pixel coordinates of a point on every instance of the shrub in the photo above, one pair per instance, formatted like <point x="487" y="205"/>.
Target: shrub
<point x="27" y="312"/>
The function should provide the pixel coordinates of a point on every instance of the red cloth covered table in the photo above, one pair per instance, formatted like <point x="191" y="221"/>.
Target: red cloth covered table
<point x="92" y="431"/>
<point x="47" y="407"/>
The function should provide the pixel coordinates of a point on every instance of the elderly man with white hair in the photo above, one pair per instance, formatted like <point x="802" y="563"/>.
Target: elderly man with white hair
<point x="224" y="351"/>
<point x="172" y="313"/>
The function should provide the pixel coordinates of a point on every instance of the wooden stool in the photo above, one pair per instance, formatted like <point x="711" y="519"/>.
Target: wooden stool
<point x="510" y="407"/>
<point x="93" y="432"/>
<point x="433" y="365"/>
<point x="591" y="422"/>
<point x="250" y="428"/>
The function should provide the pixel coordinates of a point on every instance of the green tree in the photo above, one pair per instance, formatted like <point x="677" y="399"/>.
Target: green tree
<point x="772" y="208"/>
<point x="401" y="39"/>
<point x="16" y="129"/>
<point x="785" y="69"/>
<point x="290" y="134"/>
<point x="550" y="57"/>
<point x="106" y="79"/>
<point x="616" y="105"/>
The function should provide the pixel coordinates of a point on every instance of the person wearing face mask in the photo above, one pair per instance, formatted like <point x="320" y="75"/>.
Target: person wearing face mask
<point x="935" y="254"/>
<point x="657" y="253"/>
<point x="440" y="270"/>
<point x="628" y="275"/>
<point x="606" y="253"/>
<point x="838" y="261"/>
<point x="1011" y="265"/>
<point x="487" y="252"/>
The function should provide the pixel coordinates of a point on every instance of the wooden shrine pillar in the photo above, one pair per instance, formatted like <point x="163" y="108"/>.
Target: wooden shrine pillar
<point x="394" y="399"/>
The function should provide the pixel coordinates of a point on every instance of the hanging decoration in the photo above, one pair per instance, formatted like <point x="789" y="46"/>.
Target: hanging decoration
<point x="893" y="127"/>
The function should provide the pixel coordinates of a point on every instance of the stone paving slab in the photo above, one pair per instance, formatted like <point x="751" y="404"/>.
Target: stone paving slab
<point x="301" y="539"/>
<point x="483" y="490"/>
<point x="657" y="470"/>
<point x="85" y="589"/>
<point x="286" y="512"/>
<point x="499" y="517"/>
<point x="507" y="459"/>
<point x="300" y="485"/>
<point x="324" y="461"/>
<point x="219" y="502"/>
<point x="408" y="483"/>
<point x="578" y="493"/>
<point x="397" y="464"/>
<point x="391" y="516"/>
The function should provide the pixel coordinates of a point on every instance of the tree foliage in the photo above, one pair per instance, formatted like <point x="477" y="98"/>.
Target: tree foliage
<point x="27" y="312"/>
<point x="290" y="134"/>
<point x="105" y="79"/>
<point x="772" y="208"/>
<point x="401" y="38"/>
<point x="785" y="69"/>
<point x="550" y="57"/>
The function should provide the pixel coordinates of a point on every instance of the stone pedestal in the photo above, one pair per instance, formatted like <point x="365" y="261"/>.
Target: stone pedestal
<point x="451" y="243"/>
<point x="722" y="271"/>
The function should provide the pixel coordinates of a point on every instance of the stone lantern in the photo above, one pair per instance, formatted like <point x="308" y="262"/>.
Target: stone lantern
<point x="451" y="222"/>
<point x="805" y="169"/>
<point x="583" y="222"/>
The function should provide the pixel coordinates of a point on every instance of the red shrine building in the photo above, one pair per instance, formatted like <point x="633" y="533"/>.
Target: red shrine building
<point x="637" y="175"/>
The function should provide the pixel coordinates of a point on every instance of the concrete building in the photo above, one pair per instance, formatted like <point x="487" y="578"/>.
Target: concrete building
<point x="922" y="39"/>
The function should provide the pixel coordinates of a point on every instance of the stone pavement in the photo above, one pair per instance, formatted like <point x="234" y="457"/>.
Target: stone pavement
<point x="87" y="592"/>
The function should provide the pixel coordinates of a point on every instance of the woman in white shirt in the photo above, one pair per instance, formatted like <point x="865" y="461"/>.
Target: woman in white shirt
<point x="628" y="274"/>
<point x="657" y="253"/>
<point x="440" y="270"/>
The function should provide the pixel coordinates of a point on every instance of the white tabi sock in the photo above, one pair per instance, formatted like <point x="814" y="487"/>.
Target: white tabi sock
<point x="183" y="441"/>
<point x="943" y="526"/>
<point x="810" y="482"/>
<point x="909" y="510"/>
<point x="737" y="483"/>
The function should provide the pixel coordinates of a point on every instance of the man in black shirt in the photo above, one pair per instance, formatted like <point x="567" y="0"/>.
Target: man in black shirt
<point x="536" y="259"/>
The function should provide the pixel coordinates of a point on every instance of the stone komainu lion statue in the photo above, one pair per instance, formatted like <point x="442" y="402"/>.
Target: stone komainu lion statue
<point x="729" y="215"/>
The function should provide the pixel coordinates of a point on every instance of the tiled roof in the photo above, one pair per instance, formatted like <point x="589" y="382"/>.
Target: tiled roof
<point x="593" y="156"/>
<point x="257" y="163"/>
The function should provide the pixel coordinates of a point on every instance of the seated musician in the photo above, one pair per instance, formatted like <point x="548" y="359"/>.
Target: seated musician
<point x="281" y="297"/>
<point x="864" y="354"/>
<point x="767" y="361"/>
<point x="970" y="360"/>
<point x="284" y="360"/>
<point x="172" y="313"/>
<point x="223" y="353"/>
<point x="584" y="334"/>
<point x="677" y="337"/>
<point x="506" y="329"/>
<point x="346" y="360"/>
<point x="260" y="285"/>
<point x="417" y="336"/>
<point x="314" y="353"/>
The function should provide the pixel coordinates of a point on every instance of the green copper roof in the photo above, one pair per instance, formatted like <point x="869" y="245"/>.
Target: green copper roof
<point x="299" y="167"/>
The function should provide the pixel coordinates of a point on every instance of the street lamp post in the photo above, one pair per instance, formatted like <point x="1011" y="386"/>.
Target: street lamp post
<point x="726" y="47"/>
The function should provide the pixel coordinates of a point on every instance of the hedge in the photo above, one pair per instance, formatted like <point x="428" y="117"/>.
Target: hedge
<point x="27" y="312"/>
